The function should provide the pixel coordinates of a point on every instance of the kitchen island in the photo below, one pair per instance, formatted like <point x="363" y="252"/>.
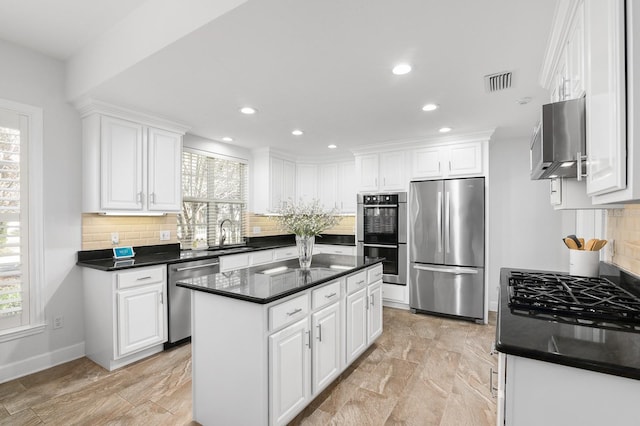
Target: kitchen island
<point x="559" y="368"/>
<point x="267" y="340"/>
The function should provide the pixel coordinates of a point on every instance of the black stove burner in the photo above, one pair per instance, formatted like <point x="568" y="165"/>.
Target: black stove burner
<point x="595" y="302"/>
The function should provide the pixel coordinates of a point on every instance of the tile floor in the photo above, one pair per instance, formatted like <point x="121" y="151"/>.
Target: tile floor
<point x="423" y="370"/>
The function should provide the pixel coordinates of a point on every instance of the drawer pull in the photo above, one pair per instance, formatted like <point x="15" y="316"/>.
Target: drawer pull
<point x="329" y="296"/>
<point x="143" y="278"/>
<point x="360" y="282"/>
<point x="295" y="311"/>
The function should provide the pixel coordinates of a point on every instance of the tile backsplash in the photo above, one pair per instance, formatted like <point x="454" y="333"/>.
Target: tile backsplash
<point x="132" y="230"/>
<point x="623" y="233"/>
<point x="265" y="226"/>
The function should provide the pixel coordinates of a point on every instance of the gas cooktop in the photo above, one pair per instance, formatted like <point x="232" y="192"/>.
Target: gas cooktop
<point x="595" y="302"/>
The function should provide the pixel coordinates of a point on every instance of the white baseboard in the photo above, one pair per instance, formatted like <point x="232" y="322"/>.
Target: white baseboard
<point x="493" y="306"/>
<point x="393" y="304"/>
<point x="40" y="362"/>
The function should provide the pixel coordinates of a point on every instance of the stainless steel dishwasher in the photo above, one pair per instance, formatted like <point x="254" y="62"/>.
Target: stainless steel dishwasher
<point x="180" y="298"/>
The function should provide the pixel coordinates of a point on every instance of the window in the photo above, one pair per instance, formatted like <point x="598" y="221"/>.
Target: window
<point x="214" y="193"/>
<point x="21" y="259"/>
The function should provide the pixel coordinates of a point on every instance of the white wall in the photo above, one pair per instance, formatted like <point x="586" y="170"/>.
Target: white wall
<point x="525" y="231"/>
<point x="37" y="80"/>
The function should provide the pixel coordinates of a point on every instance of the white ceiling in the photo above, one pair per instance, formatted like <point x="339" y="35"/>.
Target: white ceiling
<point x="320" y="66"/>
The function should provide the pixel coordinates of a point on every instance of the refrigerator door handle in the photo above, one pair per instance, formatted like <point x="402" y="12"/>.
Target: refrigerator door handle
<point x="447" y="222"/>
<point x="452" y="270"/>
<point x="439" y="221"/>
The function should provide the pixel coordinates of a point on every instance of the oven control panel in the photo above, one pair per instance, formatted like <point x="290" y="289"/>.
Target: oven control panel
<point x="380" y="199"/>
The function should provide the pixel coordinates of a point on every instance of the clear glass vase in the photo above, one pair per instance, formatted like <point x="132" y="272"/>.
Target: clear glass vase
<point x="305" y="250"/>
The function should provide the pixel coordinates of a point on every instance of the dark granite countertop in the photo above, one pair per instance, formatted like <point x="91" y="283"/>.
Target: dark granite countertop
<point x="171" y="253"/>
<point x="605" y="351"/>
<point x="267" y="283"/>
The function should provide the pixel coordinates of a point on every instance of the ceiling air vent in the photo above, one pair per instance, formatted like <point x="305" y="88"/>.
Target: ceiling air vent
<point x="498" y="81"/>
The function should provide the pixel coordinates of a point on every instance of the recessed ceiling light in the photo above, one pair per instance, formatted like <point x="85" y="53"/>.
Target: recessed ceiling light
<point x="401" y="69"/>
<point x="248" y="110"/>
<point x="227" y="139"/>
<point x="297" y="132"/>
<point x="444" y="129"/>
<point x="430" y="107"/>
<point x="332" y="146"/>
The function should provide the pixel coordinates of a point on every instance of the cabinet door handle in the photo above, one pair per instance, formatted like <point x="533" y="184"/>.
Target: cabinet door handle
<point x="319" y="332"/>
<point x="139" y="197"/>
<point x="329" y="296"/>
<point x="375" y="182"/>
<point x="152" y="197"/>
<point x="295" y="311"/>
<point x="161" y="299"/>
<point x="371" y="298"/>
<point x="308" y="333"/>
<point x="493" y="390"/>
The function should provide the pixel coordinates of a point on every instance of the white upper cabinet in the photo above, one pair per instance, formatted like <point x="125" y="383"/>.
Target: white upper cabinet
<point x="328" y="185"/>
<point x="380" y="172"/>
<point x="605" y="96"/>
<point x="306" y="182"/>
<point x="165" y="166"/>
<point x="347" y="199"/>
<point x="131" y="163"/>
<point x="441" y="162"/>
<point x="274" y="181"/>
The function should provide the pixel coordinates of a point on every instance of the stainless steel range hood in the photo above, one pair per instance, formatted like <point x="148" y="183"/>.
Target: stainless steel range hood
<point x="558" y="140"/>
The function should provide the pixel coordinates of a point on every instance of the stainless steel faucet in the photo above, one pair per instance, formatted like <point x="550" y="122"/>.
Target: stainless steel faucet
<point x="223" y="232"/>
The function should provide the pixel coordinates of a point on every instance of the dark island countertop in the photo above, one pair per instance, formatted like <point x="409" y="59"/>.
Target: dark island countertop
<point x="267" y="283"/>
<point x="602" y="350"/>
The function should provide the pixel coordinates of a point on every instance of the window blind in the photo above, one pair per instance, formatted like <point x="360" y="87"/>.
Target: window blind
<point x="14" y="288"/>
<point x="214" y="194"/>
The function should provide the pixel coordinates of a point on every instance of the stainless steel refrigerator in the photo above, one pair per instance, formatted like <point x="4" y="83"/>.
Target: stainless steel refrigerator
<point x="446" y="247"/>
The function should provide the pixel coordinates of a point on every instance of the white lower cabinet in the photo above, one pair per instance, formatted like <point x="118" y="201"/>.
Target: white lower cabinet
<point x="125" y="314"/>
<point x="141" y="313"/>
<point x="356" y="324"/>
<point x="363" y="312"/>
<point x="290" y="385"/>
<point x="374" y="311"/>
<point x="327" y="333"/>
<point x="532" y="392"/>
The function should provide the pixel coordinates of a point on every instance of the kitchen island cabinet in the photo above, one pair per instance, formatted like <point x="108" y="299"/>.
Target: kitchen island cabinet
<point x="272" y="337"/>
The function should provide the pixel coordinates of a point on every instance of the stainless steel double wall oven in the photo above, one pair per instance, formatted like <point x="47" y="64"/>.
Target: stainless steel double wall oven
<point x="382" y="232"/>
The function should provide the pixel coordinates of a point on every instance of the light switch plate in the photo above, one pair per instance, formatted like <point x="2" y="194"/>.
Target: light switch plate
<point x="165" y="235"/>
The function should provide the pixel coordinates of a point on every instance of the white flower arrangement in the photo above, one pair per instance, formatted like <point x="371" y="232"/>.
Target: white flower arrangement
<point x="305" y="219"/>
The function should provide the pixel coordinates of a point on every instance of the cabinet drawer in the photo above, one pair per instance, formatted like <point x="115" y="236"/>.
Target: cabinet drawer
<point x="142" y="276"/>
<point x="288" y="312"/>
<point x="324" y="295"/>
<point x="356" y="281"/>
<point x="285" y="253"/>
<point x="392" y="292"/>
<point x="260" y="257"/>
<point x="235" y="261"/>
<point x="374" y="274"/>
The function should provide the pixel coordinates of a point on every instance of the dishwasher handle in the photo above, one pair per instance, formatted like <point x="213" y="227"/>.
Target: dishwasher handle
<point x="189" y="268"/>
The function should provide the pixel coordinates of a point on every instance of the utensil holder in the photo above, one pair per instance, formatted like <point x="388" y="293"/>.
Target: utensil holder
<point x="584" y="263"/>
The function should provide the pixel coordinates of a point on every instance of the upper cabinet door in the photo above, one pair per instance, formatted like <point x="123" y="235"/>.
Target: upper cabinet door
<point x="328" y="186"/>
<point x="392" y="170"/>
<point x="347" y="199"/>
<point x="306" y="182"/>
<point x="465" y="160"/>
<point x="165" y="170"/>
<point x="605" y="95"/>
<point x="367" y="172"/>
<point x="121" y="161"/>
<point x="427" y="163"/>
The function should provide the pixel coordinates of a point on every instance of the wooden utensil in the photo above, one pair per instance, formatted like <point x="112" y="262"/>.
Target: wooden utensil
<point x="590" y="244"/>
<point x="599" y="245"/>
<point x="575" y="240"/>
<point x="571" y="243"/>
<point x="581" y="243"/>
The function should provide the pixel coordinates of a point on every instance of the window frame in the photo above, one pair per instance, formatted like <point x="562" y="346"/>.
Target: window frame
<point x="35" y="225"/>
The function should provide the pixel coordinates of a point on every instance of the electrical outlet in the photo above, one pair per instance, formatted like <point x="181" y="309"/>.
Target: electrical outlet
<point x="257" y="229"/>
<point x="115" y="238"/>
<point x="58" y="322"/>
<point x="165" y="235"/>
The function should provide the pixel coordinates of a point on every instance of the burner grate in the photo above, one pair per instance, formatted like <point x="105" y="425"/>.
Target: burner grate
<point x="578" y="300"/>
